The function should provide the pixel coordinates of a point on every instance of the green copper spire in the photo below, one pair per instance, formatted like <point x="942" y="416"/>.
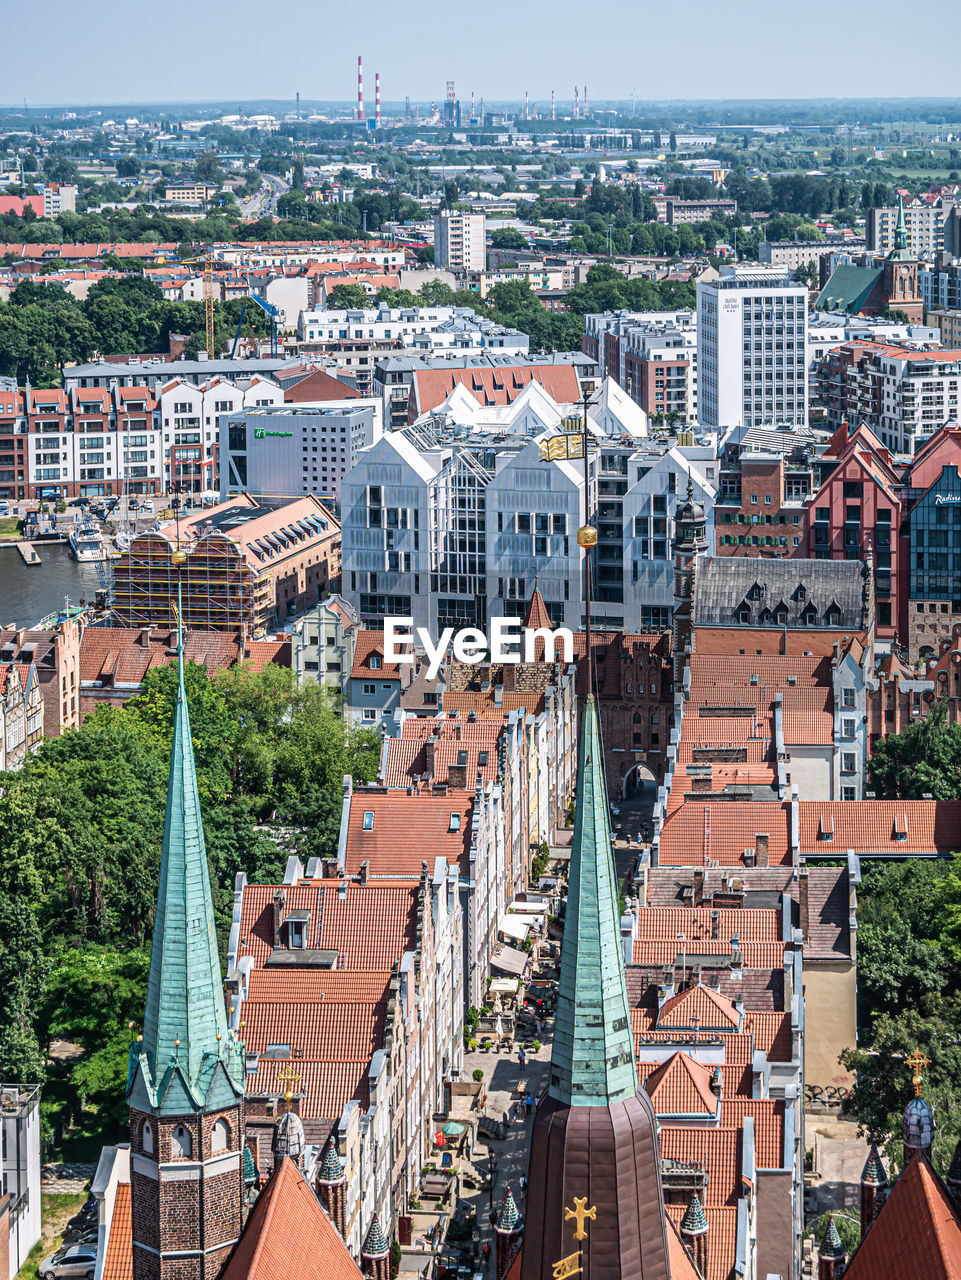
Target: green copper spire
<point x="185" y="1024"/>
<point x="592" y="1063"/>
<point x="900" y="252"/>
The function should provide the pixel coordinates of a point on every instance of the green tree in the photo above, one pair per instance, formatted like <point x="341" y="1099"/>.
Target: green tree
<point x="508" y="238"/>
<point x="348" y="297"/>
<point x="925" y="758"/>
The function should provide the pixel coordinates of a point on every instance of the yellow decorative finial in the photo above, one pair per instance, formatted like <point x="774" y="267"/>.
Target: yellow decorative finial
<point x="290" y="1077"/>
<point x="580" y="1213"/>
<point x="917" y="1062"/>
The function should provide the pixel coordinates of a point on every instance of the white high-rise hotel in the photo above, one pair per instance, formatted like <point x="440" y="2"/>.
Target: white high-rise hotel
<point x="751" y="348"/>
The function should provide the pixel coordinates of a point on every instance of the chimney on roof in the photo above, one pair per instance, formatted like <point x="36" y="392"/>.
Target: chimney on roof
<point x="279" y="903"/>
<point x="715" y="923"/>
<point x="761" y="849"/>
<point x="364" y="871"/>
<point x="457" y="776"/>
<point x="802" y="902"/>
<point x="698" y="898"/>
<point x="430" y="747"/>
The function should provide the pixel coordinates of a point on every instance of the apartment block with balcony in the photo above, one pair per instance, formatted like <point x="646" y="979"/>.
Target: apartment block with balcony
<point x="460" y="240"/>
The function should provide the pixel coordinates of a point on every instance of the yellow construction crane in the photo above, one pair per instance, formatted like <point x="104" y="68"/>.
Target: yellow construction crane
<point x="207" y="260"/>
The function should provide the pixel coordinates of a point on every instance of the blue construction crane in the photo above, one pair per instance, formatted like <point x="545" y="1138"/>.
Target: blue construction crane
<point x="273" y="312"/>
<point x="243" y="312"/>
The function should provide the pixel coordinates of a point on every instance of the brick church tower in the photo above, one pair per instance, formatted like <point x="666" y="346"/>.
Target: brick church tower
<point x="899" y="283"/>
<point x="186" y="1078"/>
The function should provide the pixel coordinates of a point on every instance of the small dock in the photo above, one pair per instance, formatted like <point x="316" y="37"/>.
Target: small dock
<point x="28" y="553"/>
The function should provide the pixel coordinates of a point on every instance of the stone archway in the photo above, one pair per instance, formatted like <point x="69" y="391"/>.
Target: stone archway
<point x="636" y="779"/>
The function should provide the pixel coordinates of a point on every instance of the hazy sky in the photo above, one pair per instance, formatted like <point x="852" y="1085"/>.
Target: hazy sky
<point x="115" y="51"/>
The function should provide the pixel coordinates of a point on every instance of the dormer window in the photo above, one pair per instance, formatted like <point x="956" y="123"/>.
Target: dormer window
<point x="826" y="827"/>
<point x="376" y="662"/>
<point x="901" y="828"/>
<point x="482" y="758"/>
<point x="454" y="822"/>
<point x="462" y="757"/>
<point x="369" y="820"/>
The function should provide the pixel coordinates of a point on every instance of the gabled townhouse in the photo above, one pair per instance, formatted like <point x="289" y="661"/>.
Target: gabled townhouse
<point x="190" y="414"/>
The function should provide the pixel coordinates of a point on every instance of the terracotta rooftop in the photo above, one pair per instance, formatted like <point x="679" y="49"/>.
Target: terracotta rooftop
<point x="118" y="656"/>
<point x="917" y="1234"/>
<point x="721" y="831"/>
<point x="721" y="1240"/>
<point x="895" y="827"/>
<point x="370" y="926"/>
<point x="327" y="985"/>
<point x="500" y="385"/>
<point x="335" y="1031"/>
<point x="289" y="1234"/>
<point x="118" y="1263"/>
<point x="698" y="1006"/>
<point x="697" y="925"/>
<point x="370" y="644"/>
<point x="326" y="1087"/>
<point x="405" y="831"/>
<point x="682" y="1087"/>
<point x="486" y="706"/>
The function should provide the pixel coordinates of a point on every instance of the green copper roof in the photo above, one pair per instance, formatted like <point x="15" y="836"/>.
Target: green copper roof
<point x="901" y="252"/>
<point x="375" y="1242"/>
<point x="185" y="1000"/>
<point x="331" y="1166"/>
<point x="592" y="1063"/>
<point x="831" y="1246"/>
<point x="694" y="1222"/>
<point x="848" y="289"/>
<point x="873" y="1170"/>
<point x="508" y="1217"/>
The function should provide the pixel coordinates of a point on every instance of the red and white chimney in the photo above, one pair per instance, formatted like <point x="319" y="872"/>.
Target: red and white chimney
<point x="360" y="87"/>
<point x="553" y="112"/>
<point x="585" y="99"/>
<point x="377" y="98"/>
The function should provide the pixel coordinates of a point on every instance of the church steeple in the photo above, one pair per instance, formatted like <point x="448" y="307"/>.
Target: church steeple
<point x="594" y="1203"/>
<point x="592" y="1063"/>
<point x="900" y="252"/>
<point x="185" y="1022"/>
<point x="186" y="1078"/>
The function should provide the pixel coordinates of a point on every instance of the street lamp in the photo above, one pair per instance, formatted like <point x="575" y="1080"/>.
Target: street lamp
<point x="492" y="1171"/>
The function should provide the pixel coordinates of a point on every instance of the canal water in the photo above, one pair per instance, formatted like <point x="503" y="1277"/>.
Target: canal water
<point x="31" y="592"/>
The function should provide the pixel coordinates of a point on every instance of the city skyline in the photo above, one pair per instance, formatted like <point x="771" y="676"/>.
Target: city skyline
<point x="798" y="67"/>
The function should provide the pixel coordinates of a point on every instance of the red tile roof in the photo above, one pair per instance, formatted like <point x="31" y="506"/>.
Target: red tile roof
<point x="369" y="643"/>
<point x="325" y="1087"/>
<point x="289" y="1234"/>
<point x="681" y="1087"/>
<point x="485" y="705"/>
<point x="407" y="756"/>
<point x="871" y="826"/>
<point x="751" y="924"/>
<point x="500" y="385"/>
<point x="721" y="1240"/>
<point x="370" y="926"/>
<point x="121" y="656"/>
<point x="917" y="1234"/>
<point x="717" y="1149"/>
<point x="698" y="1006"/>
<point x="319" y="386"/>
<point x="682" y="1268"/>
<point x="408" y="830"/>
<point x="328" y="985"/>
<point x="722" y="830"/>
<point x="335" y="1031"/>
<point x="118" y="1264"/>
<point x="771" y="1032"/>
<point x="768" y="1115"/>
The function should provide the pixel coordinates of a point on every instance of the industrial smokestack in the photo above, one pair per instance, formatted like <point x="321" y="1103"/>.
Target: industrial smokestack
<point x="576" y="109"/>
<point x="360" y="88"/>
<point x="527" y="104"/>
<point x="377" y="98"/>
<point x="585" y="99"/>
<point x="553" y="112"/>
<point x="472" y="113"/>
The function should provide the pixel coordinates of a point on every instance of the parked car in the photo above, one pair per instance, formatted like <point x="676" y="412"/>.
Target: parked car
<point x="79" y="502"/>
<point x="72" y="1262"/>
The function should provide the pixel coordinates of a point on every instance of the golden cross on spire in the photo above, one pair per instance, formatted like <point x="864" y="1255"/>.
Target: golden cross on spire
<point x="917" y="1062"/>
<point x="580" y="1213"/>
<point x="289" y="1077"/>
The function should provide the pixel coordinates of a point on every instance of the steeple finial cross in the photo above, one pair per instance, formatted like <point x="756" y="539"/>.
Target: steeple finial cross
<point x="917" y="1062"/>
<point x="289" y="1077"/>
<point x="580" y="1213"/>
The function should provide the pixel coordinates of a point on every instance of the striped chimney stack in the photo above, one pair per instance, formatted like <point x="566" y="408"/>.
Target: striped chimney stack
<point x="360" y="87"/>
<point x="377" y="99"/>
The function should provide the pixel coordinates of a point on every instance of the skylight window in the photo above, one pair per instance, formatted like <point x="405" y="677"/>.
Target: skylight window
<point x="368" y="821"/>
<point x="454" y="822"/>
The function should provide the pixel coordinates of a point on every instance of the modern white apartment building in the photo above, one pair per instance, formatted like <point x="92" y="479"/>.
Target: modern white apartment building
<point x="460" y="241"/>
<point x="58" y="198"/>
<point x="452" y="521"/>
<point x="189" y="432"/>
<point x="294" y="449"/>
<point x="925" y="224"/>
<point x="751" y="348"/>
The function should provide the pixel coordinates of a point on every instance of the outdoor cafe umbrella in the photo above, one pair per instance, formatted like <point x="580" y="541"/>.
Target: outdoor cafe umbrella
<point x="452" y="1129"/>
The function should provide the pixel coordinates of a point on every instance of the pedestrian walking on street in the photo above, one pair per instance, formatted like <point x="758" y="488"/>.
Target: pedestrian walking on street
<point x="493" y="1217"/>
<point x="486" y="1251"/>
<point x="529" y="1105"/>
<point x="522" y="1058"/>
